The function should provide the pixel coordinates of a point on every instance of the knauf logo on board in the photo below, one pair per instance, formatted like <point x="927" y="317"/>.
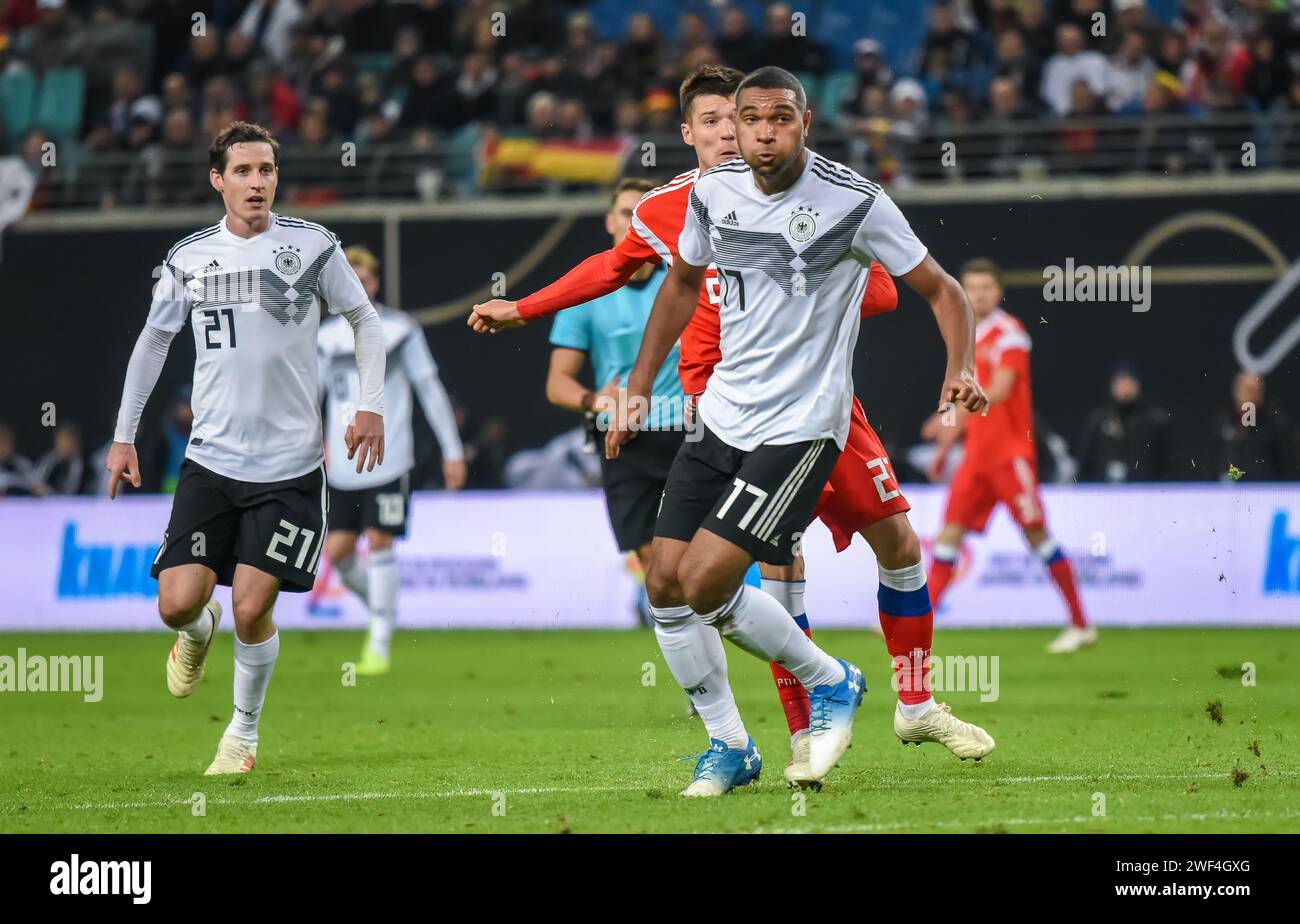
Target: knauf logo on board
<point x="104" y="570"/>
<point x="1282" y="572"/>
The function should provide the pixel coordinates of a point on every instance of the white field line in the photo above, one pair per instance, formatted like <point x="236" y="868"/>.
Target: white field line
<point x="1021" y="822"/>
<point x="887" y="782"/>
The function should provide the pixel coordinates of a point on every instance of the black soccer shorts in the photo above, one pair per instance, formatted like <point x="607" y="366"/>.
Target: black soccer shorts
<point x="634" y="483"/>
<point x="761" y="501"/>
<point x="277" y="527"/>
<point x="385" y="508"/>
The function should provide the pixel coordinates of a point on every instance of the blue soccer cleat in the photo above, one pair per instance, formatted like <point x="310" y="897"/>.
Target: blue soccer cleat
<point x="831" y="709"/>
<point x="721" y="769"/>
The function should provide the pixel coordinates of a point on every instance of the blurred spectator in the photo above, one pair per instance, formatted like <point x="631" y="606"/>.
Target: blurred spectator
<point x="432" y="21"/>
<point x="1267" y="80"/>
<point x="543" y="116"/>
<point x="62" y="470"/>
<point x="485" y="449"/>
<point x="1072" y="62"/>
<point x="165" y="450"/>
<point x="1253" y="435"/>
<point x="1084" y="15"/>
<point x="782" y="48"/>
<point x="1036" y="27"/>
<point x="1016" y="62"/>
<point x="431" y="101"/>
<point x="17" y="475"/>
<point x="55" y="39"/>
<point x="1126" y="438"/>
<point x="1216" y="56"/>
<point x="869" y="70"/>
<point x="204" y="59"/>
<point x="948" y="48"/>
<point x="369" y="25"/>
<point x="736" y="43"/>
<point x="113" y="128"/>
<point x="641" y="52"/>
<point x="1129" y="75"/>
<point x="267" y="24"/>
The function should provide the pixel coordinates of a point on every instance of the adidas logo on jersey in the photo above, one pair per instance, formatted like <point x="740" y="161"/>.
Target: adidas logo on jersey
<point x="730" y="219"/>
<point x="214" y="265"/>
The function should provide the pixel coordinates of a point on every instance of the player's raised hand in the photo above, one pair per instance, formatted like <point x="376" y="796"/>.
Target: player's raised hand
<point x="494" y="315"/>
<point x="625" y="420"/>
<point x="123" y="465"/>
<point x="366" y="433"/>
<point x="454" y="473"/>
<point x="963" y="389"/>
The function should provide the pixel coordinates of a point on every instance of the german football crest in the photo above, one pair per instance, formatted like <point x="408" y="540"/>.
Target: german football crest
<point x="287" y="262"/>
<point x="802" y="226"/>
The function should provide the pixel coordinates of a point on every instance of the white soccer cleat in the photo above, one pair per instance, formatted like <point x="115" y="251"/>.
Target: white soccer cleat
<point x="234" y="755"/>
<point x="798" y="772"/>
<point x="1072" y="638"/>
<point x="941" y="726"/>
<point x="185" y="663"/>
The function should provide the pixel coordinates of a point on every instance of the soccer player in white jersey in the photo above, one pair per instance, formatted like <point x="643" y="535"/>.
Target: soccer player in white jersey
<point x="793" y="236"/>
<point x="250" y="506"/>
<point x="378" y="502"/>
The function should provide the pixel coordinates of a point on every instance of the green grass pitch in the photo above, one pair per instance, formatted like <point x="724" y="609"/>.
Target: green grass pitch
<point x="563" y="732"/>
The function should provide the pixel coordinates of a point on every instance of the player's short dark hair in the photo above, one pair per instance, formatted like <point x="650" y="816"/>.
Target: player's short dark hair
<point x="774" y="78"/>
<point x="707" y="80"/>
<point x="239" y="133"/>
<point x="983" y="265"/>
<point x="635" y="184"/>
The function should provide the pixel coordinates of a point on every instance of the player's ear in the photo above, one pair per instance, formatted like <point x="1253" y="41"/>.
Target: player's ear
<point x="686" y="134"/>
<point x="807" y="120"/>
<point x="609" y="223"/>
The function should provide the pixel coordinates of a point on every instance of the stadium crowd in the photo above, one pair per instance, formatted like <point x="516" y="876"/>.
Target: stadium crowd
<point x="1030" y="77"/>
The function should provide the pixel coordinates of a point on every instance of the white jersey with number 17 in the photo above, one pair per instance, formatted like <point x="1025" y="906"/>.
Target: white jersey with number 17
<point x="793" y="267"/>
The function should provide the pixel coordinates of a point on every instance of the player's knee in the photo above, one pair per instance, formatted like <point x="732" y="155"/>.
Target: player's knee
<point x="250" y="610"/>
<point x="662" y="588"/>
<point x="378" y="540"/>
<point x="179" y="606"/>
<point x="705" y="590"/>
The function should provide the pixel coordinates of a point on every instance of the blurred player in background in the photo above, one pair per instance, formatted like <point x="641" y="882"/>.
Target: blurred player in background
<point x="378" y="502"/>
<point x="1000" y="464"/>
<point x="250" y="505"/>
<point x="862" y="496"/>
<point x="608" y="331"/>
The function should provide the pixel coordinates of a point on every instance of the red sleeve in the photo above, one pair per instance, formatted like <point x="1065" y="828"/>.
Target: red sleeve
<point x="593" y="277"/>
<point x="881" y="295"/>
<point x="1016" y="358"/>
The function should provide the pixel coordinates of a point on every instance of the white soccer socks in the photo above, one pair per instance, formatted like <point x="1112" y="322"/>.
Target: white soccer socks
<point x="253" y="667"/>
<point x="694" y="654"/>
<point x="352" y="574"/>
<point x="755" y="622"/>
<point x="381" y="597"/>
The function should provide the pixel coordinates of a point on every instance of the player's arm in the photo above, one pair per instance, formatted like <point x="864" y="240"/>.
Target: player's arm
<point x="167" y="314"/>
<point x="422" y="372"/>
<point x="338" y="285"/>
<point x="595" y="276"/>
<point x="674" y="305"/>
<point x="956" y="319"/>
<point x="562" y="386"/>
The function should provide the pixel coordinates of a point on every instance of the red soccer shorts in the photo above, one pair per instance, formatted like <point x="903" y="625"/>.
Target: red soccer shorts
<point x="977" y="489"/>
<point x="862" y="488"/>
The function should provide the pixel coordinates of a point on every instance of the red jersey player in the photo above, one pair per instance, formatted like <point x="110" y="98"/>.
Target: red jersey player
<point x="1001" y="462"/>
<point x="862" y="495"/>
